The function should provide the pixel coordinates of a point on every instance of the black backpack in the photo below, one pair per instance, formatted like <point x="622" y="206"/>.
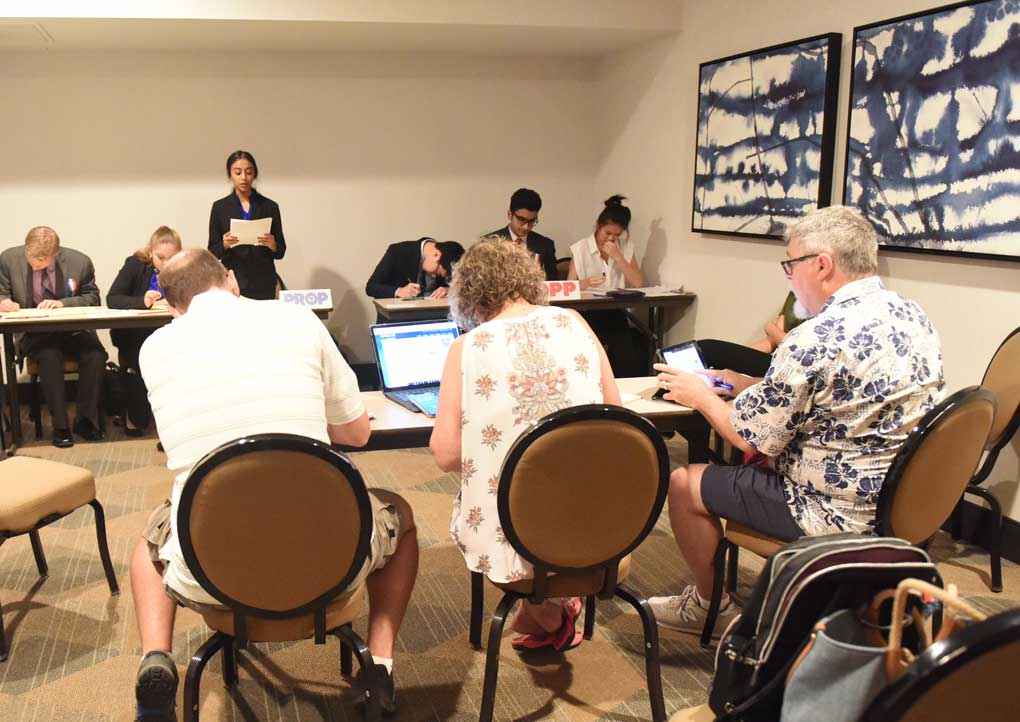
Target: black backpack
<point x="801" y="583"/>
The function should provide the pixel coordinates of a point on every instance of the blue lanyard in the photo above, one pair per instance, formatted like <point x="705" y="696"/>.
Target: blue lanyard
<point x="246" y="214"/>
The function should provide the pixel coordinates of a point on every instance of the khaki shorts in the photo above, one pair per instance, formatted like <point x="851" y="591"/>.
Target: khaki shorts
<point x="385" y="535"/>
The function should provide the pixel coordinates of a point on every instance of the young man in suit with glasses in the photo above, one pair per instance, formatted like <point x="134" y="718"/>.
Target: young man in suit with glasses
<point x="523" y="217"/>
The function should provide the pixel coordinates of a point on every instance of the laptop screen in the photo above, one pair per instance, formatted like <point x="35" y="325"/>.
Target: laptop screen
<point x="412" y="354"/>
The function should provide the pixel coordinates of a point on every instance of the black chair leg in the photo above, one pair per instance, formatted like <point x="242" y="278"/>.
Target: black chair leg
<point x="589" y="617"/>
<point x="492" y="655"/>
<point x="717" y="590"/>
<point x="477" y="606"/>
<point x="733" y="559"/>
<point x="104" y="548"/>
<point x="229" y="659"/>
<point x="355" y="645"/>
<point x="40" y="557"/>
<point x="652" y="669"/>
<point x="956" y="519"/>
<point x="346" y="655"/>
<point x="36" y="407"/>
<point x="193" y="678"/>
<point x="3" y="637"/>
<point x="995" y="547"/>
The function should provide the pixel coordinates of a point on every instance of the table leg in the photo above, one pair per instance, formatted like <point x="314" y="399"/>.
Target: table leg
<point x="697" y="445"/>
<point x="655" y="325"/>
<point x="11" y="380"/>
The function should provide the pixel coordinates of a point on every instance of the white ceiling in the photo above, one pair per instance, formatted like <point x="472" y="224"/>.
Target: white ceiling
<point x="252" y="36"/>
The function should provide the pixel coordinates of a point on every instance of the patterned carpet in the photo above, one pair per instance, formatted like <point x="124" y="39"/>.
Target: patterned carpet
<point x="74" y="649"/>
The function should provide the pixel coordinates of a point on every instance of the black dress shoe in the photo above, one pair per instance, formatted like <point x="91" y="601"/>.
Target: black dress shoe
<point x="62" y="438"/>
<point x="134" y="433"/>
<point x="86" y="430"/>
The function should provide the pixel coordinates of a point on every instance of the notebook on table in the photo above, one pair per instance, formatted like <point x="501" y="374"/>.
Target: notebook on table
<point x="410" y="359"/>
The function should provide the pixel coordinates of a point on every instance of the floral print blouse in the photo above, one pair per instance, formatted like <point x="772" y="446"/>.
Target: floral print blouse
<point x="843" y="392"/>
<point x="514" y="372"/>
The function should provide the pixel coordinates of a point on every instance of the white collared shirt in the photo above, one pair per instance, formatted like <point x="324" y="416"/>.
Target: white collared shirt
<point x="588" y="262"/>
<point x="229" y="368"/>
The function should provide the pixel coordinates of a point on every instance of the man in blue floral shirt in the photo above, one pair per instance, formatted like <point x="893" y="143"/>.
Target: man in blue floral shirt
<point x="843" y="391"/>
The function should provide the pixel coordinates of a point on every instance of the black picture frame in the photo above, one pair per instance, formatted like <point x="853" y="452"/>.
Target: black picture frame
<point x="803" y="163"/>
<point x="951" y="209"/>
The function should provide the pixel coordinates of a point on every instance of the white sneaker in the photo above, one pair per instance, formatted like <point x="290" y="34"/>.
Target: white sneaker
<point x="684" y="613"/>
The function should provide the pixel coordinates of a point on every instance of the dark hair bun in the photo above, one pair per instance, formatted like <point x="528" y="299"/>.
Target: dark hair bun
<point x="616" y="200"/>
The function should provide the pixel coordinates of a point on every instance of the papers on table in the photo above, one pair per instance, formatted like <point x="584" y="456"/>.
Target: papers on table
<point x="249" y="231"/>
<point x="647" y="290"/>
<point x="77" y="312"/>
<point x="628" y="398"/>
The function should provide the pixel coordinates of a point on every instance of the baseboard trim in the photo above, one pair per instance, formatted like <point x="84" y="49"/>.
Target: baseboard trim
<point x="978" y="524"/>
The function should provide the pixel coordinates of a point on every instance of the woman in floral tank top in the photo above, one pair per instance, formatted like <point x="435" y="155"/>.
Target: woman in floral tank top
<point x="521" y="361"/>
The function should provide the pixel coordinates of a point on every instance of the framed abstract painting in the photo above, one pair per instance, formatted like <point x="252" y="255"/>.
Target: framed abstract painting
<point x="933" y="137"/>
<point x="766" y="136"/>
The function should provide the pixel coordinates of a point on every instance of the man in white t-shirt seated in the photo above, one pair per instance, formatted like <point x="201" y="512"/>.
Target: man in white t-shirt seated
<point x="226" y="368"/>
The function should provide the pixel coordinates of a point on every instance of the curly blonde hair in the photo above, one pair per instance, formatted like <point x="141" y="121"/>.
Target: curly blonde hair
<point x="492" y="273"/>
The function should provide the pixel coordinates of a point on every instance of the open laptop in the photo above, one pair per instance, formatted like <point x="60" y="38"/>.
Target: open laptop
<point x="410" y="359"/>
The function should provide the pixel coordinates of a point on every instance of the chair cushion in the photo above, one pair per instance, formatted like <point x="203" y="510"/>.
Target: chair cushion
<point x="702" y="713"/>
<point x="32" y="489"/>
<point x="754" y="541"/>
<point x="70" y="366"/>
<point x="341" y="611"/>
<point x="569" y="585"/>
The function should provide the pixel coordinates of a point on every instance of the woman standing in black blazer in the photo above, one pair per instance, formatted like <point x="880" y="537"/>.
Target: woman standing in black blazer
<point x="253" y="265"/>
<point x="137" y="286"/>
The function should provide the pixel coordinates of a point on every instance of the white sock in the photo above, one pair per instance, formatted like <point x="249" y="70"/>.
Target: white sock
<point x="723" y="604"/>
<point x="387" y="662"/>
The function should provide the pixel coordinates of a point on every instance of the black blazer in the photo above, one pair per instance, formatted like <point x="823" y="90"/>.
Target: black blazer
<point x="254" y="266"/>
<point x="128" y="291"/>
<point x="537" y="243"/>
<point x="400" y="265"/>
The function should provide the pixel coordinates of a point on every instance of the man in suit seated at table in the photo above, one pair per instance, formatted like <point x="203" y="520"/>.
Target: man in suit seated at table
<point x="212" y="378"/>
<point x="414" y="268"/>
<point x="523" y="217"/>
<point x="843" y="391"/>
<point x="43" y="275"/>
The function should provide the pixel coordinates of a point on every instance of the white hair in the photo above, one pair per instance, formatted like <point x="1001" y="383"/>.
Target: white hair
<point x="841" y="232"/>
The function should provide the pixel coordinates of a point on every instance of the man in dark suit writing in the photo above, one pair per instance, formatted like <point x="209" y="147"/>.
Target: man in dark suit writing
<point x="523" y="217"/>
<point x="414" y="268"/>
<point x="43" y="275"/>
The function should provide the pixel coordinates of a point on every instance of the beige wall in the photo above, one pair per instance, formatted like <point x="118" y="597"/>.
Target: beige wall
<point x="359" y="151"/>
<point x="649" y="134"/>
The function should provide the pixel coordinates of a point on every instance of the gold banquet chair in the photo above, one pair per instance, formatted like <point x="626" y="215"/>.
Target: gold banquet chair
<point x="614" y="486"/>
<point x="919" y="492"/>
<point x="1002" y="378"/>
<point x="287" y="585"/>
<point x="35" y="493"/>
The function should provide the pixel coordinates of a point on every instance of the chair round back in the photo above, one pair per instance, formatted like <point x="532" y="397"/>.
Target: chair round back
<point x="274" y="525"/>
<point x="934" y="465"/>
<point x="967" y="676"/>
<point x="582" y="487"/>
<point x="1002" y="378"/>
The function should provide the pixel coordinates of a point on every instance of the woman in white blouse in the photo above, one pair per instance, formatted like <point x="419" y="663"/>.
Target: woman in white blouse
<point x="603" y="261"/>
<point x="521" y="361"/>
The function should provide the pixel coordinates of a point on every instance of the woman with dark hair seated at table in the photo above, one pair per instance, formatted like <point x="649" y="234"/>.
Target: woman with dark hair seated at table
<point x="137" y="286"/>
<point x="521" y="361"/>
<point x="604" y="261"/>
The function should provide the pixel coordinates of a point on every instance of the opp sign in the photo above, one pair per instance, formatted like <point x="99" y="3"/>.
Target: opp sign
<point x="563" y="290"/>
<point x="314" y="298"/>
